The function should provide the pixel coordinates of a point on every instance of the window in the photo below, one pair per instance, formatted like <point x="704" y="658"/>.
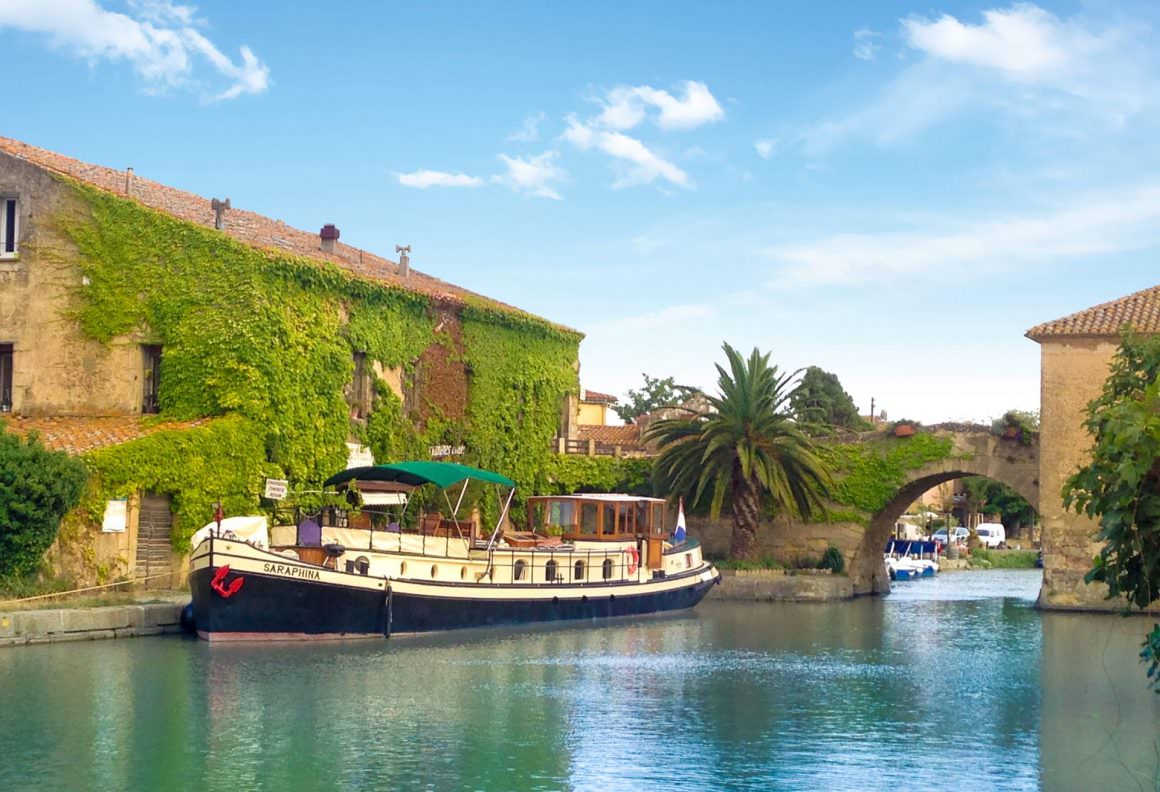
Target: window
<point x="606" y="568"/>
<point x="550" y="571"/>
<point x="5" y="378"/>
<point x="359" y="390"/>
<point x="518" y="573"/>
<point x="579" y="574"/>
<point x="588" y="519"/>
<point x="151" y="378"/>
<point x="9" y="227"/>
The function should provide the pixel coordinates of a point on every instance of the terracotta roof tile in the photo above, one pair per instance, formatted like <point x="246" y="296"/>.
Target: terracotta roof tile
<point x="628" y="437"/>
<point x="248" y="227"/>
<point x="1141" y="310"/>
<point x="602" y="398"/>
<point x="79" y="434"/>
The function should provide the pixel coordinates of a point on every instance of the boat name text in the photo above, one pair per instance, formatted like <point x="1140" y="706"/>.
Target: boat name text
<point x="291" y="571"/>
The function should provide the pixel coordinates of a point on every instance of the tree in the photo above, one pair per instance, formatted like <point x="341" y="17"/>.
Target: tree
<point x="1120" y="487"/>
<point x="820" y="403"/>
<point x="746" y="446"/>
<point x="656" y="393"/>
<point x="37" y="486"/>
<point x="990" y="496"/>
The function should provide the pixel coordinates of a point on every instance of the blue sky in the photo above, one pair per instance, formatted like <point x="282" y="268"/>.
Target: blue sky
<point x="893" y="191"/>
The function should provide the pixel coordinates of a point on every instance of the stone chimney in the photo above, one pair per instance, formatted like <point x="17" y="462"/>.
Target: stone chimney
<point x="219" y="213"/>
<point x="404" y="252"/>
<point x="128" y="181"/>
<point x="328" y="235"/>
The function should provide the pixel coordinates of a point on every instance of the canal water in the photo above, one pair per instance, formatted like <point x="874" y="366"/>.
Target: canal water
<point x="951" y="683"/>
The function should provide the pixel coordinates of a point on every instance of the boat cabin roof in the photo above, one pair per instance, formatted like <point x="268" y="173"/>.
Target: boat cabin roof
<point x="607" y="497"/>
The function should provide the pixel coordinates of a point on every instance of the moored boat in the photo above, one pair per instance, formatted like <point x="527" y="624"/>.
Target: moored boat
<point x="365" y="571"/>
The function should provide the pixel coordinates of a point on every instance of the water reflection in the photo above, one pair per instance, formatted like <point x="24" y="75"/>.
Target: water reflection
<point x="955" y="682"/>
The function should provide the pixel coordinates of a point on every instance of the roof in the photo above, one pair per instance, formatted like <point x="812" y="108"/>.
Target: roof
<point x="247" y="227"/>
<point x="627" y="436"/>
<point x="609" y="497"/>
<point x="1141" y="310"/>
<point x="80" y="434"/>
<point x="602" y="398"/>
<point x="441" y="474"/>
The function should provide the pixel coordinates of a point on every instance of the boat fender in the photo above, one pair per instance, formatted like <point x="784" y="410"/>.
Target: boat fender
<point x="188" y="623"/>
<point x="633" y="559"/>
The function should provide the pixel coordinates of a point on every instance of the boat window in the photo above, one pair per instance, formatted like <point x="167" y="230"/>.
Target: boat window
<point x="536" y="516"/>
<point x="579" y="573"/>
<point x="607" y="568"/>
<point x="434" y="570"/>
<point x="643" y="512"/>
<point x="518" y="570"/>
<point x="562" y="514"/>
<point x="588" y="519"/>
<point x="608" y="527"/>
<point x="658" y="519"/>
<point x="627" y="524"/>
<point x="550" y="571"/>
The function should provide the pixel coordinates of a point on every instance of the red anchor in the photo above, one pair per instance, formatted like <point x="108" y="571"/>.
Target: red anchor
<point x="218" y="583"/>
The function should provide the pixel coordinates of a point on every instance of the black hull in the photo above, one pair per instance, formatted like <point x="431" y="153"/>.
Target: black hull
<point x="276" y="607"/>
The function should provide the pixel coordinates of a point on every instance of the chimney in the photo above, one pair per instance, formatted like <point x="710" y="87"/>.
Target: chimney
<point x="128" y="181"/>
<point x="328" y="235"/>
<point x="219" y="213"/>
<point x="404" y="252"/>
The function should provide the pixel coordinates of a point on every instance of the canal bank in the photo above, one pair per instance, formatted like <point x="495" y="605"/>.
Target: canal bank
<point x="779" y="585"/>
<point x="57" y="625"/>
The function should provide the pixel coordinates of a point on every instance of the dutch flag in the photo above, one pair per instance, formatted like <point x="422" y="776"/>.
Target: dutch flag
<point x="679" y="532"/>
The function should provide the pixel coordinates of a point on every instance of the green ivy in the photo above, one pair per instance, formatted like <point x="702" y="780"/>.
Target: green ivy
<point x="868" y="474"/>
<point x="568" y="473"/>
<point x="266" y="338"/>
<point x="223" y="459"/>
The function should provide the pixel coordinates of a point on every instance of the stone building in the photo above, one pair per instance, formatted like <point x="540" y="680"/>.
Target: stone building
<point x="130" y="309"/>
<point x="1076" y="353"/>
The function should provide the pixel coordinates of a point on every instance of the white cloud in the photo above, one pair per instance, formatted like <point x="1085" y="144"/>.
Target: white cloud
<point x="766" y="147"/>
<point x="532" y="175"/>
<point x="422" y="179"/>
<point x="676" y="314"/>
<point x="637" y="163"/>
<point x="626" y="107"/>
<point x="530" y="131"/>
<point x="1127" y="220"/>
<point x="865" y="45"/>
<point x="161" y="42"/>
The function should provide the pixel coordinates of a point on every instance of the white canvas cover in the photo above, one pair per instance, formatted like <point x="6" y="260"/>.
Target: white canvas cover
<point x="251" y="529"/>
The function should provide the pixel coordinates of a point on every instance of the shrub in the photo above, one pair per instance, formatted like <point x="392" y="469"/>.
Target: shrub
<point x="832" y="560"/>
<point x="37" y="486"/>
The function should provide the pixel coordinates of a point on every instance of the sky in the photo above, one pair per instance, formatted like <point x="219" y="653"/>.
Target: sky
<point x="893" y="191"/>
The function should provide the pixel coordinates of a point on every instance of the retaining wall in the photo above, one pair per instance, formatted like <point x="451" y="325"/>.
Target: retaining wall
<point x="88" y="624"/>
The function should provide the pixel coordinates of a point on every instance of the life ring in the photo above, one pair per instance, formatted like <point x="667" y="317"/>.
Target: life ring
<point x="633" y="560"/>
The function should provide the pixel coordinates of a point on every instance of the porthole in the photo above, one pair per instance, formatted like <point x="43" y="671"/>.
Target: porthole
<point x="518" y="570"/>
<point x="463" y="573"/>
<point x="362" y="564"/>
<point x="403" y="568"/>
<point x="434" y="570"/>
<point x="607" y="568"/>
<point x="550" y="571"/>
<point x="579" y="573"/>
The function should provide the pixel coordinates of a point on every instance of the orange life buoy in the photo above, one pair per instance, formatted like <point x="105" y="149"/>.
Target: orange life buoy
<point x="633" y="560"/>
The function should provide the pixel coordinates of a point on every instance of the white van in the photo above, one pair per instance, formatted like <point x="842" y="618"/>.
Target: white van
<point x="992" y="535"/>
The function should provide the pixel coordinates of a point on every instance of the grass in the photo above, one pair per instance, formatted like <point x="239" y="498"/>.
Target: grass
<point x="1004" y="559"/>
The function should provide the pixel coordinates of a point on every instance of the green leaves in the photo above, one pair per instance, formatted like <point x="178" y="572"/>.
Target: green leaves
<point x="747" y="447"/>
<point x="1120" y="487"/>
<point x="37" y="487"/>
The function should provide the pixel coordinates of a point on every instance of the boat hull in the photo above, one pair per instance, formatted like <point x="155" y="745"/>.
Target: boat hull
<point x="290" y="601"/>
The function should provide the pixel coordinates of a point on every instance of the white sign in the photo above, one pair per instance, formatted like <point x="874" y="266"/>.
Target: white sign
<point x="115" y="516"/>
<point x="445" y="451"/>
<point x="276" y="488"/>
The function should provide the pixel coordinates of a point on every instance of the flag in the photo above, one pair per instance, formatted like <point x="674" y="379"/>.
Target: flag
<point x="679" y="533"/>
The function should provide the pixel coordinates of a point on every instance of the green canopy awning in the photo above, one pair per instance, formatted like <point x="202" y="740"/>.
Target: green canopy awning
<point x="441" y="474"/>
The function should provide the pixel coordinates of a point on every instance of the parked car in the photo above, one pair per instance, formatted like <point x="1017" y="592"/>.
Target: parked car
<point x="959" y="533"/>
<point x="992" y="535"/>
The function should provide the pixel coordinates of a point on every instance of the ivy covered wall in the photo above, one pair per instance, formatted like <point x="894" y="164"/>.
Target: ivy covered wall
<point x="263" y="341"/>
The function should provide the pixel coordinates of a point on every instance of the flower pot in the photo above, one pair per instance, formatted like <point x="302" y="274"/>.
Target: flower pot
<point x="903" y="430"/>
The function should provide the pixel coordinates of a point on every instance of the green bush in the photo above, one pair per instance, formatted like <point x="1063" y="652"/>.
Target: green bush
<point x="1004" y="559"/>
<point x="37" y="486"/>
<point x="832" y="560"/>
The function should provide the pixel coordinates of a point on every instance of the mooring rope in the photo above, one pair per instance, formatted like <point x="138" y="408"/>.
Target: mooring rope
<point x="86" y="588"/>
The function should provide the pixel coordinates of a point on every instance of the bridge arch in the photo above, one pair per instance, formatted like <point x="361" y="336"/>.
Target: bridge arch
<point x="975" y="454"/>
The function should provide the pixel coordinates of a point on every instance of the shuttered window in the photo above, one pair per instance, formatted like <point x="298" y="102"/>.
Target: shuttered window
<point x="8" y="226"/>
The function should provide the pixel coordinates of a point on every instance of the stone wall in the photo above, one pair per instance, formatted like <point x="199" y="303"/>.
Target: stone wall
<point x="1073" y="373"/>
<point x="56" y="370"/>
<point x="783" y="541"/>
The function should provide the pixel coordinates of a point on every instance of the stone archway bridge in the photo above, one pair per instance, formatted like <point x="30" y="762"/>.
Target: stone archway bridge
<point x="975" y="452"/>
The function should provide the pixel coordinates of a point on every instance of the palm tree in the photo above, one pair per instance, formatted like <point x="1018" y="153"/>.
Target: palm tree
<point x="747" y="445"/>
